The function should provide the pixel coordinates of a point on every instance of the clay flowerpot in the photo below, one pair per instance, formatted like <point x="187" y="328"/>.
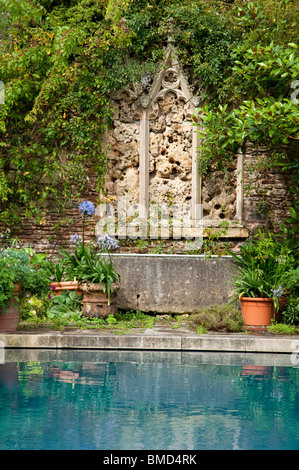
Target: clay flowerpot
<point x="95" y="301"/>
<point x="257" y="311"/>
<point x="58" y="287"/>
<point x="9" y="318"/>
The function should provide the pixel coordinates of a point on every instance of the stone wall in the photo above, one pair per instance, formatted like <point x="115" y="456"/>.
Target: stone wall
<point x="172" y="284"/>
<point x="266" y="196"/>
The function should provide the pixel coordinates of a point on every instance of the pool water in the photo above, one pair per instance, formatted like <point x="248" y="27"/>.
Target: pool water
<point x="121" y="400"/>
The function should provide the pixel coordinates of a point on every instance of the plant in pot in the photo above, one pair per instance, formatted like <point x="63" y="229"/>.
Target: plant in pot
<point x="97" y="277"/>
<point x="62" y="276"/>
<point x="21" y="272"/>
<point x="260" y="270"/>
<point x="59" y="283"/>
<point x="93" y="270"/>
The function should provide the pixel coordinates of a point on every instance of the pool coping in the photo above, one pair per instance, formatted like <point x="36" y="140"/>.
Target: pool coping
<point x="162" y="338"/>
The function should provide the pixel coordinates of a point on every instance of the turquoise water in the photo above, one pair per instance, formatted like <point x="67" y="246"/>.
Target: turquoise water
<point x="147" y="400"/>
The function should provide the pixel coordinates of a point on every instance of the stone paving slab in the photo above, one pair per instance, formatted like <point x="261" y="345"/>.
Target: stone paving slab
<point x="159" y="338"/>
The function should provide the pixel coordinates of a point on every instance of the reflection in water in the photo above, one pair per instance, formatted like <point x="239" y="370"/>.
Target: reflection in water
<point x="147" y="405"/>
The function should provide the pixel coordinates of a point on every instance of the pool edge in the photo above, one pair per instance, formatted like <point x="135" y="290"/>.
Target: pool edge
<point x="150" y="341"/>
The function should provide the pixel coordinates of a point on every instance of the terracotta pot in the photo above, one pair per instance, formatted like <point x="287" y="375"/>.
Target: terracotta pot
<point x="9" y="318"/>
<point x="58" y="287"/>
<point x="95" y="301"/>
<point x="257" y="311"/>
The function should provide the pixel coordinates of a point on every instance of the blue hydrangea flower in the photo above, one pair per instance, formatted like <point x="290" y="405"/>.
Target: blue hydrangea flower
<point x="107" y="243"/>
<point x="76" y="239"/>
<point x="87" y="208"/>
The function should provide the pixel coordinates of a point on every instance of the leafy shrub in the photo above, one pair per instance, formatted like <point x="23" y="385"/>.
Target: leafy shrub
<point x="65" y="305"/>
<point x="218" y="318"/>
<point x="290" y="313"/>
<point x="34" y="307"/>
<point x="17" y="266"/>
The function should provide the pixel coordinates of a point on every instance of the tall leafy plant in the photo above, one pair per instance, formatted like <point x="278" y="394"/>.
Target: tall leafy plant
<point x="262" y="268"/>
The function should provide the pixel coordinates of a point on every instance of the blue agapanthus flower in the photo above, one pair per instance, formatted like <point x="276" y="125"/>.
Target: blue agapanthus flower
<point x="107" y="243"/>
<point x="76" y="239"/>
<point x="278" y="292"/>
<point x="87" y="208"/>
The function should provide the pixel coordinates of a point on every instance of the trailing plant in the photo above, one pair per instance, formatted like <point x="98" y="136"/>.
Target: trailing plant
<point x="262" y="119"/>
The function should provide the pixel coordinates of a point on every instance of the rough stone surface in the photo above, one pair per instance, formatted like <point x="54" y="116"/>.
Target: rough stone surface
<point x="172" y="284"/>
<point x="170" y="161"/>
<point x="219" y="195"/>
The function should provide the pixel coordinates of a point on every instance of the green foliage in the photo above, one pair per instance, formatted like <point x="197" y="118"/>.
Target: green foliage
<point x="262" y="268"/>
<point x="266" y="118"/>
<point x="57" y="85"/>
<point x="34" y="307"/>
<point x="17" y="267"/>
<point x="291" y="281"/>
<point x="56" y="269"/>
<point x="67" y="306"/>
<point x="262" y="115"/>
<point x="85" y="266"/>
<point x="218" y="318"/>
<point x="290" y="312"/>
<point x="283" y="329"/>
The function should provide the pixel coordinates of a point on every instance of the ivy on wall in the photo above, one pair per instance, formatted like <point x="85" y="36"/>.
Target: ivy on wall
<point x="60" y="61"/>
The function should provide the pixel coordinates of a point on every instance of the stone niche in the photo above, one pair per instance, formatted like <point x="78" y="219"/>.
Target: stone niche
<point x="170" y="156"/>
<point x="123" y="142"/>
<point x="153" y="152"/>
<point x="219" y="195"/>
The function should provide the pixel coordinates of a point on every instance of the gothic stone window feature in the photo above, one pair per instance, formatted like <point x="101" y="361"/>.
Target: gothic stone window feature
<point x="154" y="150"/>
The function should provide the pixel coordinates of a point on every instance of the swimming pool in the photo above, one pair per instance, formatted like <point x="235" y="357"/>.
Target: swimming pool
<point x="120" y="400"/>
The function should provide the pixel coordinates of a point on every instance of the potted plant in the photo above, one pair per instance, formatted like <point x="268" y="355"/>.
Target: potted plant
<point x="93" y="270"/>
<point x="61" y="269"/>
<point x="260" y="270"/>
<point x="97" y="277"/>
<point x="21" y="272"/>
<point x="59" y="283"/>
